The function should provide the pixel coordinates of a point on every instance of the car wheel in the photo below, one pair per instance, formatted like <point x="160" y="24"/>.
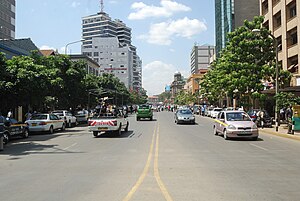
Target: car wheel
<point x="137" y="118"/>
<point x="151" y="118"/>
<point x="6" y="138"/>
<point x="215" y="130"/>
<point x="69" y="124"/>
<point x="63" y="127"/>
<point x="225" y="135"/>
<point x="127" y="126"/>
<point x="25" y="134"/>
<point x="255" y="138"/>
<point x="95" y="133"/>
<point x="51" y="130"/>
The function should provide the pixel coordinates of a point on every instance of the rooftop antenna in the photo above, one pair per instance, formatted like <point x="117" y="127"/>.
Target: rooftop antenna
<point x="102" y="6"/>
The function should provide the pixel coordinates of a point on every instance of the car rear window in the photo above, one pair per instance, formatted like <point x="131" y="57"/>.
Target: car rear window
<point x="185" y="111"/>
<point x="144" y="107"/>
<point x="39" y="117"/>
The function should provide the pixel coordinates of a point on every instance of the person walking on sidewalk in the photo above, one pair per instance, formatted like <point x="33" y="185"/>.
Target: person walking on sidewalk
<point x="289" y="115"/>
<point x="261" y="119"/>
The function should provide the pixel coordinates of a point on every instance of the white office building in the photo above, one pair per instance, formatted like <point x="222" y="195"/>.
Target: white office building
<point x="108" y="42"/>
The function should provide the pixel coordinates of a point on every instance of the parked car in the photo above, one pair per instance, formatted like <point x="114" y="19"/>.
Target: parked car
<point x="232" y="124"/>
<point x="214" y="113"/>
<point x="45" y="122"/>
<point x="82" y="116"/>
<point x="208" y="111"/>
<point x="268" y="120"/>
<point x="144" y="111"/>
<point x="70" y="120"/>
<point x="10" y="128"/>
<point x="184" y="116"/>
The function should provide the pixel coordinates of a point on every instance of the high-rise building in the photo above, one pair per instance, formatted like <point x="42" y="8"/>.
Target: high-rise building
<point x="200" y="57"/>
<point x="100" y="29"/>
<point x="7" y="19"/>
<point x="231" y="14"/>
<point x="283" y="20"/>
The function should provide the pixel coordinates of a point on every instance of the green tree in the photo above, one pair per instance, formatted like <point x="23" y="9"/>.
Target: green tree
<point x="246" y="61"/>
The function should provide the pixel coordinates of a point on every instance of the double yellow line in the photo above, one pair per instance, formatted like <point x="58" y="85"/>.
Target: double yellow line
<point x="155" y="142"/>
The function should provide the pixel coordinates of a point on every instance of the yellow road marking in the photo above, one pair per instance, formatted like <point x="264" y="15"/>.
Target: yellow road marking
<point x="156" y="172"/>
<point x="218" y="121"/>
<point x="145" y="171"/>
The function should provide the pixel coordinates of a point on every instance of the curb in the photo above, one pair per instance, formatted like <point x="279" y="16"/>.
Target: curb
<point x="289" y="136"/>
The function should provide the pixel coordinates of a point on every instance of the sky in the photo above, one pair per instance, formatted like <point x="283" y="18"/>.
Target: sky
<point x="164" y="31"/>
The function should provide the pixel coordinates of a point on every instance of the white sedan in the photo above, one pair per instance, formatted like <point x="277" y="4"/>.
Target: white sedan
<point x="45" y="122"/>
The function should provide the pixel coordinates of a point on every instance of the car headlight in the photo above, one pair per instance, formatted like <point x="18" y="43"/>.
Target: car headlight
<point x="192" y="117"/>
<point x="254" y="126"/>
<point x="231" y="127"/>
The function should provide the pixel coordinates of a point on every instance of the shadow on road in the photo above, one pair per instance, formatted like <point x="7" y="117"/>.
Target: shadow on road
<point x="128" y="134"/>
<point x="241" y="139"/>
<point x="32" y="145"/>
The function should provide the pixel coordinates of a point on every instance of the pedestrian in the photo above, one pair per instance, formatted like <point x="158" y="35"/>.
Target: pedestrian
<point x="28" y="115"/>
<point x="9" y="114"/>
<point x="289" y="115"/>
<point x="261" y="116"/>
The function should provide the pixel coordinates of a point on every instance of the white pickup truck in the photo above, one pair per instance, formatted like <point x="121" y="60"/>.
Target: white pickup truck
<point x="108" y="122"/>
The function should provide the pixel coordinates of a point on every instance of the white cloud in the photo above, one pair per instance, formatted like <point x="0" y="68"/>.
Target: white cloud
<point x="46" y="47"/>
<point x="75" y="4"/>
<point x="167" y="9"/>
<point x="156" y="75"/>
<point x="162" y="33"/>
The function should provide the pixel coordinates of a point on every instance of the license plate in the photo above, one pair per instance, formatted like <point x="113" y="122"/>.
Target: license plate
<point x="245" y="132"/>
<point x="102" y="128"/>
<point x="34" y="124"/>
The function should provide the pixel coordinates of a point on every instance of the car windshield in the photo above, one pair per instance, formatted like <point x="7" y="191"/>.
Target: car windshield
<point x="184" y="111"/>
<point x="39" y="117"/>
<point x="237" y="116"/>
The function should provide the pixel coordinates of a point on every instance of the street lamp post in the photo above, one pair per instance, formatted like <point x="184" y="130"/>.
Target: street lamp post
<point x="277" y="116"/>
<point x="78" y="41"/>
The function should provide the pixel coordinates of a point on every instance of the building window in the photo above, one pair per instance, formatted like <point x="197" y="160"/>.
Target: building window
<point x="277" y="20"/>
<point x="293" y="64"/>
<point x="291" y="10"/>
<point x="96" y="59"/>
<point x="275" y="2"/>
<point x="279" y="42"/>
<point x="121" y="66"/>
<point x="96" y="54"/>
<point x="111" y="59"/>
<point x="292" y="37"/>
<point x="266" y="24"/>
<point x="264" y="7"/>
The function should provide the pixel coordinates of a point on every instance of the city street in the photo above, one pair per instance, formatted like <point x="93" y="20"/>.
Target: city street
<point x="155" y="160"/>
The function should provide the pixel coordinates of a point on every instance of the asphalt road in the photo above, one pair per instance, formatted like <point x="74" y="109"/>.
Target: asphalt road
<point x="153" y="161"/>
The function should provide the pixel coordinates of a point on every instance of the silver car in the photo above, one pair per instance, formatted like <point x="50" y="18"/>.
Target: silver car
<point x="235" y="124"/>
<point x="184" y="116"/>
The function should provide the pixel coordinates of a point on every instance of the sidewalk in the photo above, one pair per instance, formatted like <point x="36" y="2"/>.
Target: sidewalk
<point x="282" y="132"/>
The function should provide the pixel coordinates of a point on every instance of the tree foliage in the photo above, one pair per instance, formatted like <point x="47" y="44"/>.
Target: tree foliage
<point x="246" y="62"/>
<point x="47" y="82"/>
